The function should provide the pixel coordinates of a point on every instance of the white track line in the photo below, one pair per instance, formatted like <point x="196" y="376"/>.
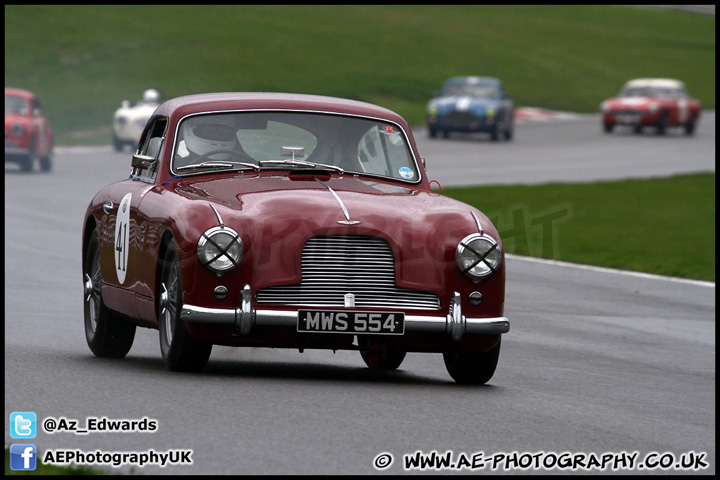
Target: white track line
<point x="611" y="270"/>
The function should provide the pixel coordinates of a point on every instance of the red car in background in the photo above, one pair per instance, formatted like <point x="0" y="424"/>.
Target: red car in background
<point x="289" y="221"/>
<point x="28" y="137"/>
<point x="652" y="102"/>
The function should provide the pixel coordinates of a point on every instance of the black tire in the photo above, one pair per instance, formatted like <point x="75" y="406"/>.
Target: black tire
<point x="662" y="125"/>
<point x="45" y="164"/>
<point x="27" y="161"/>
<point x="107" y="334"/>
<point x="432" y="133"/>
<point x="472" y="368"/>
<point x="509" y="133"/>
<point x="118" y="144"/>
<point x="180" y="350"/>
<point x="385" y="359"/>
<point x="608" y="127"/>
<point x="46" y="161"/>
<point x="690" y="126"/>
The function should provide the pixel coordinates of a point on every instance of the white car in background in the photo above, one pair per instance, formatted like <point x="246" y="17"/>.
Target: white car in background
<point x="129" y="120"/>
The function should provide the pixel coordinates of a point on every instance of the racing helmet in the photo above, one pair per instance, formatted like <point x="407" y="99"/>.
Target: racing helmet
<point x="151" y="95"/>
<point x="207" y="133"/>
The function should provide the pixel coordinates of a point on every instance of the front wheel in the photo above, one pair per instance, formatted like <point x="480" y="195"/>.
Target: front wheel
<point x="28" y="161"/>
<point x="472" y="368"/>
<point x="690" y="126"/>
<point x="107" y="335"/>
<point x="662" y="124"/>
<point x="180" y="350"/>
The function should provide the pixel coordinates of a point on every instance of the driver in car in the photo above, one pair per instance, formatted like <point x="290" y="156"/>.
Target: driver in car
<point x="203" y="135"/>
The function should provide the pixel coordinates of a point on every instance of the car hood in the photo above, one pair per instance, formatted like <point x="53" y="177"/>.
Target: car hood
<point x="11" y="118"/>
<point x="631" y="102"/>
<point x="462" y="103"/>
<point x="275" y="215"/>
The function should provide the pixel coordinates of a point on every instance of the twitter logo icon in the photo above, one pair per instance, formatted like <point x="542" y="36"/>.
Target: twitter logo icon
<point x="23" y="425"/>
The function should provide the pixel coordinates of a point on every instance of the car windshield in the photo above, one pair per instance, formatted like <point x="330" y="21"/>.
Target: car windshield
<point x="472" y="89"/>
<point x="14" y="104"/>
<point x="656" y="92"/>
<point x="292" y="140"/>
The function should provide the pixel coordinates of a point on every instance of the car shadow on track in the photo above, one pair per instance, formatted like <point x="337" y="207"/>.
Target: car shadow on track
<point x="221" y="368"/>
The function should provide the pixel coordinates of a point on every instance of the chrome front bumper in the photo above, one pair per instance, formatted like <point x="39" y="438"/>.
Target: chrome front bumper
<point x="12" y="150"/>
<point x="244" y="317"/>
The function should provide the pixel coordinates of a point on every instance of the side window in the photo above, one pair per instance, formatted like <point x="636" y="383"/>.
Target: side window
<point x="36" y="110"/>
<point x="151" y="145"/>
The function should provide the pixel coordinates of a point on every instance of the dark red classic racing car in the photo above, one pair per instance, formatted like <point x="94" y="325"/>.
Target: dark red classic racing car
<point x="652" y="102"/>
<point x="28" y="137"/>
<point x="289" y="221"/>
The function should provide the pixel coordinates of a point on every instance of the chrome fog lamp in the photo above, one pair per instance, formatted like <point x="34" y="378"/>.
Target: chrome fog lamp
<point x="220" y="249"/>
<point x="478" y="256"/>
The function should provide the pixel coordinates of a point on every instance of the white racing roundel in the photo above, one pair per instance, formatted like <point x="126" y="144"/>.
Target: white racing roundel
<point x="122" y="231"/>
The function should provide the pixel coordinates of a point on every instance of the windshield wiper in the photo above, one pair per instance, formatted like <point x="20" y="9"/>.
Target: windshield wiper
<point x="301" y="163"/>
<point x="219" y="165"/>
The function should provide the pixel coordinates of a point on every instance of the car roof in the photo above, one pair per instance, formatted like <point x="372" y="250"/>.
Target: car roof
<point x="655" y="82"/>
<point x="19" y="92"/>
<point x="208" y="102"/>
<point x="473" y="79"/>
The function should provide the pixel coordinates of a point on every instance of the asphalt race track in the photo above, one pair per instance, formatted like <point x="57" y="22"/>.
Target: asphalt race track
<point x="598" y="364"/>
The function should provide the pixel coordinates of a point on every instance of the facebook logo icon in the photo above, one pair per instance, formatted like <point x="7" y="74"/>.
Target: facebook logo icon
<point x="23" y="456"/>
<point x="23" y="425"/>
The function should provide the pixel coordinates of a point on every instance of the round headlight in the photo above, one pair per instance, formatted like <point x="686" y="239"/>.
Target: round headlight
<point x="220" y="249"/>
<point x="17" y="130"/>
<point x="478" y="256"/>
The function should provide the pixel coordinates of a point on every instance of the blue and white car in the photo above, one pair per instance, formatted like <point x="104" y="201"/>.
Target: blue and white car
<point x="469" y="105"/>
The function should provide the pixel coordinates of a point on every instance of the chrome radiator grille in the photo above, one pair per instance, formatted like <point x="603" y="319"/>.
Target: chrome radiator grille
<point x="460" y="119"/>
<point x="334" y="266"/>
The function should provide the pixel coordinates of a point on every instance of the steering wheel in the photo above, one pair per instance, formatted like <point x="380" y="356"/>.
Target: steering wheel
<point x="238" y="153"/>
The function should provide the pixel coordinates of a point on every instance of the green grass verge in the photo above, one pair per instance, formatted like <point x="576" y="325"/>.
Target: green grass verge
<point x="662" y="226"/>
<point x="83" y="60"/>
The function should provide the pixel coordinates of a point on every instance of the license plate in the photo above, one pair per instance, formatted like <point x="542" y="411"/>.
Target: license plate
<point x="348" y="321"/>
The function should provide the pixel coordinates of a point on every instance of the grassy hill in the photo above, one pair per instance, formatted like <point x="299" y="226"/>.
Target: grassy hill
<point x="83" y="60"/>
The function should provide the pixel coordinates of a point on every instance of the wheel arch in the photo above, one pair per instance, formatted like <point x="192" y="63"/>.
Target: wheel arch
<point x="90" y="227"/>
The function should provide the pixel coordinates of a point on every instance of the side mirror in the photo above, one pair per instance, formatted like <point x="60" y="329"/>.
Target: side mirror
<point x="142" y="162"/>
<point x="125" y="104"/>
